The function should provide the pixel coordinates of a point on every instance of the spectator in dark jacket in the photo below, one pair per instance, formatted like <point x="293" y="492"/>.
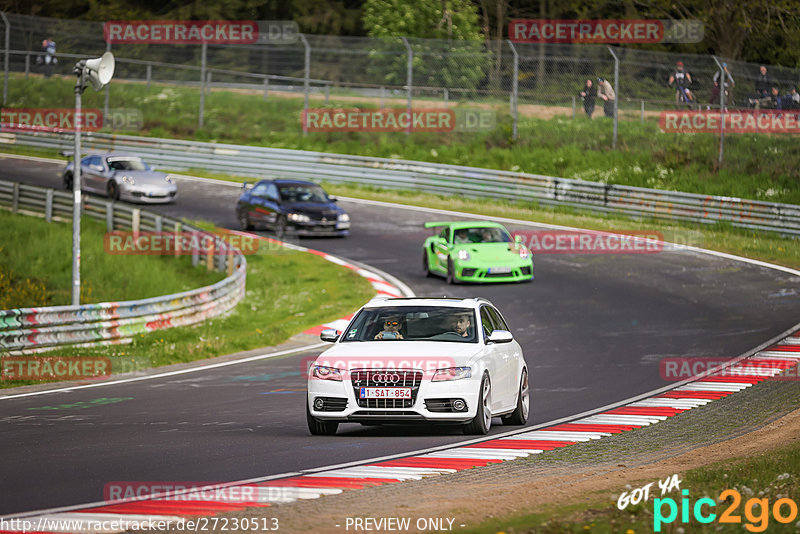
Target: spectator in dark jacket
<point x="588" y="95"/>
<point x="762" y="83"/>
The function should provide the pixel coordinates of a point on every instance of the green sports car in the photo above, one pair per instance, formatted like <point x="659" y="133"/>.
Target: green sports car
<point x="475" y="252"/>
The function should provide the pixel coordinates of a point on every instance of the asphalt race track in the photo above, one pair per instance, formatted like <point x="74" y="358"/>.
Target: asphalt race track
<point x="593" y="328"/>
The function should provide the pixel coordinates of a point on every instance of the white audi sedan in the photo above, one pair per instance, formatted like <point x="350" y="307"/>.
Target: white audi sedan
<point x="403" y="360"/>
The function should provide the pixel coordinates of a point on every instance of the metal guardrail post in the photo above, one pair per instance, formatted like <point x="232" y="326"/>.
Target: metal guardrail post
<point x="109" y="216"/>
<point x="573" y="106"/>
<point x="641" y="117"/>
<point x="15" y="198"/>
<point x="203" y="52"/>
<point x="136" y="221"/>
<point x="149" y="75"/>
<point x="380" y="99"/>
<point x="327" y="93"/>
<point x="409" y="79"/>
<point x="48" y="206"/>
<point x="514" y="90"/>
<point x="266" y="87"/>
<point x="6" y="48"/>
<point x="616" y="96"/>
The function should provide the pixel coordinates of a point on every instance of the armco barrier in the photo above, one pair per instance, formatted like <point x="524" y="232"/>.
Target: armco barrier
<point x="34" y="329"/>
<point x="434" y="178"/>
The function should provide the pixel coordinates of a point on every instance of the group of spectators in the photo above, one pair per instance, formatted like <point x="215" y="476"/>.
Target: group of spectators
<point x="767" y="94"/>
<point x="604" y="91"/>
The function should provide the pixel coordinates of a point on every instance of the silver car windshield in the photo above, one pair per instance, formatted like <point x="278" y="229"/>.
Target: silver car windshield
<point x="413" y="323"/>
<point x="127" y="164"/>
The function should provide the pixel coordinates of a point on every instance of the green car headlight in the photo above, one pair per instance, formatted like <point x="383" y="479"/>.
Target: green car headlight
<point x="463" y="255"/>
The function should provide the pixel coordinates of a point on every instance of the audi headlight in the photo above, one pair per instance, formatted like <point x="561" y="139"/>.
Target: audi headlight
<point x="343" y="217"/>
<point x="451" y="373"/>
<point x="322" y="372"/>
<point x="298" y="217"/>
<point x="128" y="180"/>
<point x="463" y="255"/>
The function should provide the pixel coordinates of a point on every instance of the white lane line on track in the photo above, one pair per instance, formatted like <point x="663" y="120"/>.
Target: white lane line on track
<point x="169" y="373"/>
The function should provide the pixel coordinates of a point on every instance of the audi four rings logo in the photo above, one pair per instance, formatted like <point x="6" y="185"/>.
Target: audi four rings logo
<point x="388" y="378"/>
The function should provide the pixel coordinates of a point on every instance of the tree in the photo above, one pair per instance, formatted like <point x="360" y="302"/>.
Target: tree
<point x="448" y="47"/>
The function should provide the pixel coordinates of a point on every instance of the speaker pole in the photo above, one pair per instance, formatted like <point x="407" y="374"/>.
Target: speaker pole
<point x="76" y="192"/>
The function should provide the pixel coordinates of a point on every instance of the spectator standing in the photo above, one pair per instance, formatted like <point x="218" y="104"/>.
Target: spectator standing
<point x="682" y="81"/>
<point x="588" y="95"/>
<point x="762" y="85"/>
<point x="606" y="93"/>
<point x="48" y="56"/>
<point x="727" y="84"/>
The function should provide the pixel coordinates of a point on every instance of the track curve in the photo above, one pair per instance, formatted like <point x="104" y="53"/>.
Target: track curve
<point x="593" y="329"/>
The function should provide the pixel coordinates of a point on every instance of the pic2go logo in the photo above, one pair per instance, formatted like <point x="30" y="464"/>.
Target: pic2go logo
<point x="756" y="511"/>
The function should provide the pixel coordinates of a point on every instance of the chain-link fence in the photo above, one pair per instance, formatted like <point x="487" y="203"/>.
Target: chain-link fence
<point x="512" y="80"/>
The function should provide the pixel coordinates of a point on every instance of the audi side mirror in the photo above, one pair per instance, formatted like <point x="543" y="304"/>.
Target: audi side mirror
<point x="330" y="335"/>
<point x="500" y="336"/>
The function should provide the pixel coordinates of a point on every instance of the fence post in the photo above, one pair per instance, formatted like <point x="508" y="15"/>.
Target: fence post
<point x="5" y="60"/>
<point x="266" y="87"/>
<point x="446" y="97"/>
<point x="616" y="96"/>
<point x="721" y="109"/>
<point x="203" y="52"/>
<point x="573" y="106"/>
<point x="514" y="90"/>
<point x="327" y="93"/>
<point x="149" y="75"/>
<point x="48" y="206"/>
<point x="380" y="102"/>
<point x="409" y="79"/>
<point x="641" y="118"/>
<point x="109" y="216"/>
<point x="306" y="79"/>
<point x="208" y="81"/>
<point x="27" y="65"/>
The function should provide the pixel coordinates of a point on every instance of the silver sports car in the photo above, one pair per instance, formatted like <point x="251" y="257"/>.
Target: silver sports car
<point x="122" y="177"/>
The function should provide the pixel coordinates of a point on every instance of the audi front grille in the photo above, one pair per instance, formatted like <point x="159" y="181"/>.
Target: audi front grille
<point x="386" y="378"/>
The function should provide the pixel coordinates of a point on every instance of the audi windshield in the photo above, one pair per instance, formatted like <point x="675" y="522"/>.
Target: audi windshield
<point x="417" y="323"/>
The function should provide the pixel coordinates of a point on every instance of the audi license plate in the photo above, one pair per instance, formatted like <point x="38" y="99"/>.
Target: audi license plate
<point x="499" y="270"/>
<point x="385" y="393"/>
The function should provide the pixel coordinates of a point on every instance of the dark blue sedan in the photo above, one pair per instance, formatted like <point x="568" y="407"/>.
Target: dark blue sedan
<point x="293" y="206"/>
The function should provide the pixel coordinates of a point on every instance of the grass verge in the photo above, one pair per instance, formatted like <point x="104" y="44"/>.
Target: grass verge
<point x="36" y="259"/>
<point x="756" y="166"/>
<point x="287" y="292"/>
